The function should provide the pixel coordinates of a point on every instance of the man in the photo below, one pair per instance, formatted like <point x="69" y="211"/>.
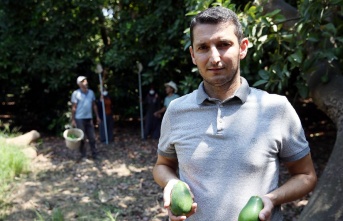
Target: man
<point x="83" y="101"/>
<point x="171" y="90"/>
<point x="152" y="124"/>
<point x="226" y="140"/>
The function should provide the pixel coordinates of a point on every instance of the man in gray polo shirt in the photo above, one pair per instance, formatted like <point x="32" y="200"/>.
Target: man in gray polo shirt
<point x="226" y="140"/>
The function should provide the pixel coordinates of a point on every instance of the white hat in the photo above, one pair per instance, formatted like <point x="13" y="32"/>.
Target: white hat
<point x="171" y="84"/>
<point x="80" y="79"/>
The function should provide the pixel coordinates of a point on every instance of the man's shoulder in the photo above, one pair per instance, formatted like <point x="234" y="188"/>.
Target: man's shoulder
<point x="75" y="92"/>
<point x="264" y="94"/>
<point x="185" y="99"/>
<point x="267" y="98"/>
<point x="90" y="91"/>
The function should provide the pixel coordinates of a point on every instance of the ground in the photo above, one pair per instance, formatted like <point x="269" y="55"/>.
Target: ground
<point x="120" y="184"/>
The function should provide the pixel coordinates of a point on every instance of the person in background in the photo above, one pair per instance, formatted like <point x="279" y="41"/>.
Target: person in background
<point x="152" y="126"/>
<point x="83" y="105"/>
<point x="105" y="97"/>
<point x="171" y="90"/>
<point x="226" y="140"/>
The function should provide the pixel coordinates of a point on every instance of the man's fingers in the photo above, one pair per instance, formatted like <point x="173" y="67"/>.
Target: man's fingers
<point x="167" y="192"/>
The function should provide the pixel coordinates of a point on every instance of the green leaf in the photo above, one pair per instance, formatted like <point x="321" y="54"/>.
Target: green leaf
<point x="303" y="90"/>
<point x="297" y="57"/>
<point x="264" y="74"/>
<point x="263" y="38"/>
<point x="330" y="28"/>
<point x="259" y="82"/>
<point x="271" y="14"/>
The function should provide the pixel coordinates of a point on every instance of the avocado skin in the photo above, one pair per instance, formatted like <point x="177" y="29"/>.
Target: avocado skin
<point x="251" y="210"/>
<point x="181" y="199"/>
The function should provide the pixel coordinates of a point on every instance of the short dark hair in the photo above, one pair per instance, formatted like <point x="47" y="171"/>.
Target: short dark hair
<point x="216" y="15"/>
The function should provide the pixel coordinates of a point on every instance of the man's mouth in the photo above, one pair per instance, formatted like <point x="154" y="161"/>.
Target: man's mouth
<point x="215" y="68"/>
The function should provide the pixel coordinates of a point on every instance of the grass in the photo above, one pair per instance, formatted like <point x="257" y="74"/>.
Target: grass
<point x="13" y="164"/>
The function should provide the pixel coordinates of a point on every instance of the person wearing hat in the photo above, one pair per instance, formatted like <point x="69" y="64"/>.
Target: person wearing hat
<point x="171" y="90"/>
<point x="83" y="105"/>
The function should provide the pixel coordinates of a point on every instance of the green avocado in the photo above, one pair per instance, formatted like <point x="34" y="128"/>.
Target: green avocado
<point x="251" y="210"/>
<point x="181" y="199"/>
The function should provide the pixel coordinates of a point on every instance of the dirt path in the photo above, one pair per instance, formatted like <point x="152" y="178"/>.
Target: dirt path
<point x="120" y="183"/>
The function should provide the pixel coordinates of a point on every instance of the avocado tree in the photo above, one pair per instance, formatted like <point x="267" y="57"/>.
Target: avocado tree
<point x="45" y="45"/>
<point x="319" y="36"/>
<point x="143" y="31"/>
<point x="296" y="49"/>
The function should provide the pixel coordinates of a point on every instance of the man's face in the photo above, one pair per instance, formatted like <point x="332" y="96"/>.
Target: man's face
<point x="217" y="52"/>
<point x="169" y="90"/>
<point x="84" y="84"/>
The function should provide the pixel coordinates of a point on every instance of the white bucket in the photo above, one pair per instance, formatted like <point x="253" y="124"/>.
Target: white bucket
<point x="73" y="143"/>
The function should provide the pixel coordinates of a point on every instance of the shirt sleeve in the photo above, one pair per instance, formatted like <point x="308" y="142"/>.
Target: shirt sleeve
<point x="73" y="97"/>
<point x="294" y="144"/>
<point x="93" y="95"/>
<point x="165" y="146"/>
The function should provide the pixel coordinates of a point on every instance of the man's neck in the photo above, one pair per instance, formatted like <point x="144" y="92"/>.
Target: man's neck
<point x="84" y="89"/>
<point x="223" y="92"/>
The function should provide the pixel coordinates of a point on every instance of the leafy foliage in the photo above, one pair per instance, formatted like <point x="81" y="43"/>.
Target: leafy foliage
<point x="45" y="45"/>
<point x="320" y="29"/>
<point x="279" y="58"/>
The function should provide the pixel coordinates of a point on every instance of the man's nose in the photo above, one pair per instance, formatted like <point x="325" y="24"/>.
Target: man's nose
<point x="214" y="55"/>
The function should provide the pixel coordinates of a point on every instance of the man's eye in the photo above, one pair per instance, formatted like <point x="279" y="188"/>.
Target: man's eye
<point x="224" y="44"/>
<point x="202" y="47"/>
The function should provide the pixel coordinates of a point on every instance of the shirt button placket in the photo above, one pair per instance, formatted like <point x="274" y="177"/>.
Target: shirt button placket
<point x="219" y="118"/>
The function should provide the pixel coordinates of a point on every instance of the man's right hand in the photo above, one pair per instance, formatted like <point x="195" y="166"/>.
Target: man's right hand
<point x="166" y="197"/>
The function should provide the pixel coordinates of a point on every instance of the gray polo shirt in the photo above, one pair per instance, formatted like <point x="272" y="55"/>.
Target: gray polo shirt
<point x="229" y="151"/>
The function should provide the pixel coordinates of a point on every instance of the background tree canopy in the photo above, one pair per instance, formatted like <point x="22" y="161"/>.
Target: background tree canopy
<point x="45" y="45"/>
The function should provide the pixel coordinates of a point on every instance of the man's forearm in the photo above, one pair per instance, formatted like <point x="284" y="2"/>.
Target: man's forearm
<point x="95" y="109"/>
<point x="73" y="111"/>
<point x="295" y="188"/>
<point x="161" y="111"/>
<point x="163" y="174"/>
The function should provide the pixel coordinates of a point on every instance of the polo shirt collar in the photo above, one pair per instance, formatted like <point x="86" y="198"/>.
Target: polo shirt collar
<point x="241" y="93"/>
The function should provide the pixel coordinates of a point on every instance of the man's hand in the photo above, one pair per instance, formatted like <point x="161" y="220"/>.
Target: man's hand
<point x="157" y="114"/>
<point x="266" y="212"/>
<point x="166" y="197"/>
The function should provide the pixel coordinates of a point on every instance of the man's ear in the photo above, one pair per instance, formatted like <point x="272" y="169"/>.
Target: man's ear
<point x="243" y="48"/>
<point x="192" y="54"/>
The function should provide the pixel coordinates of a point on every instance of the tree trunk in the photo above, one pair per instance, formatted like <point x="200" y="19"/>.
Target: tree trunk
<point x="326" y="202"/>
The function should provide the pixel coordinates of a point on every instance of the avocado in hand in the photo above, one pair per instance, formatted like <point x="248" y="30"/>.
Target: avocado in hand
<point x="181" y="199"/>
<point x="251" y="210"/>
